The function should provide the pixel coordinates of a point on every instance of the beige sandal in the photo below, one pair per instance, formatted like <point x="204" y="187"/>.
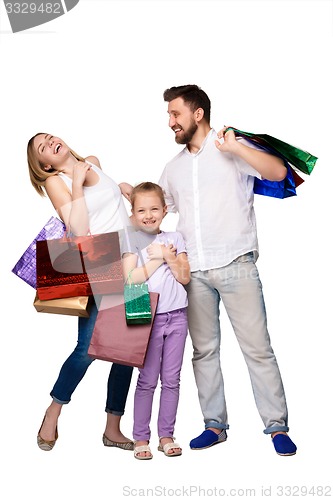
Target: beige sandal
<point x="170" y="446"/>
<point x="42" y="443"/>
<point x="141" y="449"/>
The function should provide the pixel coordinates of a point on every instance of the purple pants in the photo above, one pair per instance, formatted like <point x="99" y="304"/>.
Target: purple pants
<point x="164" y="358"/>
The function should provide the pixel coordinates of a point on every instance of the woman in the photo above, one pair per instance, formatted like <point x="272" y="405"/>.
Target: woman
<point x="88" y="201"/>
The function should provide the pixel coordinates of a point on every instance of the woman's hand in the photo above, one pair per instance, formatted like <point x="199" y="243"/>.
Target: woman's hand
<point x="80" y="170"/>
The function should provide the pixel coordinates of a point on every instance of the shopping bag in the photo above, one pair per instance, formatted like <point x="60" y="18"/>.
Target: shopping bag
<point x="277" y="189"/>
<point x="25" y="268"/>
<point x="72" y="306"/>
<point x="301" y="159"/>
<point x="74" y="266"/>
<point x="295" y="159"/>
<point x="114" y="340"/>
<point x="137" y="304"/>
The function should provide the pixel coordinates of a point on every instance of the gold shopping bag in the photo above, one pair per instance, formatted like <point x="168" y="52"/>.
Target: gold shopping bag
<point x="72" y="306"/>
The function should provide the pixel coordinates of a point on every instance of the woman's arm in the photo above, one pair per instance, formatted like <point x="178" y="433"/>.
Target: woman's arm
<point x="71" y="207"/>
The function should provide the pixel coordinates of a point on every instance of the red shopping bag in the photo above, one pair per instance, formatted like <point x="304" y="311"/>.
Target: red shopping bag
<point x="85" y="265"/>
<point x="114" y="340"/>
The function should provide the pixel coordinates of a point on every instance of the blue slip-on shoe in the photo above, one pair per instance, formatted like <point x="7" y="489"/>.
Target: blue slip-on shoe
<point x="283" y="445"/>
<point x="207" y="439"/>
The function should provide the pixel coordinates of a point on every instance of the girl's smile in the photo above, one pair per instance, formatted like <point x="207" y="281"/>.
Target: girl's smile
<point x="148" y="212"/>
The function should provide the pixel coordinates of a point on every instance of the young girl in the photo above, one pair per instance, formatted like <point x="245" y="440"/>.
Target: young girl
<point x="160" y="259"/>
<point x="87" y="200"/>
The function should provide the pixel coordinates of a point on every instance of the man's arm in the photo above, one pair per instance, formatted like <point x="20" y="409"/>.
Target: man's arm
<point x="270" y="167"/>
<point x="126" y="190"/>
<point x="169" y="200"/>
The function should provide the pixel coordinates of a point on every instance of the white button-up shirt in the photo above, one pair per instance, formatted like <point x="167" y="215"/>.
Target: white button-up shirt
<point x="213" y="194"/>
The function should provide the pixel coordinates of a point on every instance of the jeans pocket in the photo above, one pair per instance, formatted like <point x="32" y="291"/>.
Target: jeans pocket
<point x="247" y="257"/>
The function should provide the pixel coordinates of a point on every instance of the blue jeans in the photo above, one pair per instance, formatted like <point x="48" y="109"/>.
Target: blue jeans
<point x="76" y="365"/>
<point x="239" y="287"/>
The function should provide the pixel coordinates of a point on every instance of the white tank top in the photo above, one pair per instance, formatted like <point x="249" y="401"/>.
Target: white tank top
<point x="106" y="209"/>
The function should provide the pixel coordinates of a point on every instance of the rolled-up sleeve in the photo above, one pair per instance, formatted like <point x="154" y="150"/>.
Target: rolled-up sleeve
<point x="169" y="200"/>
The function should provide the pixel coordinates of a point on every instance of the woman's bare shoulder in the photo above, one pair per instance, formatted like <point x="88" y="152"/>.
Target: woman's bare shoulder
<point x="52" y="181"/>
<point x="94" y="160"/>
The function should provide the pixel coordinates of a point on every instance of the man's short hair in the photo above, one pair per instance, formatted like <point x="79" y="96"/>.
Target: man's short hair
<point x="192" y="95"/>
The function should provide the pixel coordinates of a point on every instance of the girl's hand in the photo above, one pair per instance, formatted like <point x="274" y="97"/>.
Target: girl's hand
<point x="160" y="251"/>
<point x="169" y="252"/>
<point x="155" y="251"/>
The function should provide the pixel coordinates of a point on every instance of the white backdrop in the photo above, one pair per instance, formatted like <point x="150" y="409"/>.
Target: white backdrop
<point x="95" y="77"/>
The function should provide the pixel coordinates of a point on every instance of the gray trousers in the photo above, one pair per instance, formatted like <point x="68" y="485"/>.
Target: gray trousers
<point x="239" y="287"/>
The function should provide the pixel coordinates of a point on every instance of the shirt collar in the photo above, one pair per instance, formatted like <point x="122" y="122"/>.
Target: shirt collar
<point x="208" y="136"/>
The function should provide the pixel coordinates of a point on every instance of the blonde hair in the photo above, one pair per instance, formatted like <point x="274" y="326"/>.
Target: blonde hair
<point x="37" y="173"/>
<point x="147" y="187"/>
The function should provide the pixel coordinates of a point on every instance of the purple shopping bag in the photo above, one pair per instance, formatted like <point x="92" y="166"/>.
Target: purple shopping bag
<point x="25" y="268"/>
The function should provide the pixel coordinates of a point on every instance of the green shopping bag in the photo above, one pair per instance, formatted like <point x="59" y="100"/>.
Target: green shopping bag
<point x="299" y="158"/>
<point x="137" y="304"/>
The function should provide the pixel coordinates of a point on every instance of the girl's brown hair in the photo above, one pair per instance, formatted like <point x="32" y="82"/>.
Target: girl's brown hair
<point x="147" y="187"/>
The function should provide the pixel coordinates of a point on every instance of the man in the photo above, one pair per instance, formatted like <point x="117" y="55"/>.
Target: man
<point x="210" y="184"/>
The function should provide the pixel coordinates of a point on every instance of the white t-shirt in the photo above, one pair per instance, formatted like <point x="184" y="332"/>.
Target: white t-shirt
<point x="106" y="209"/>
<point x="213" y="194"/>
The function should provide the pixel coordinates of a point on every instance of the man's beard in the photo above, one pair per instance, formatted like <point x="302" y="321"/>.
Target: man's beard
<point x="186" y="136"/>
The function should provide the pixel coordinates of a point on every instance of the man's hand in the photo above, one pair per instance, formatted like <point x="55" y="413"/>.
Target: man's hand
<point x="126" y="190"/>
<point x="230" y="143"/>
<point x="270" y="167"/>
